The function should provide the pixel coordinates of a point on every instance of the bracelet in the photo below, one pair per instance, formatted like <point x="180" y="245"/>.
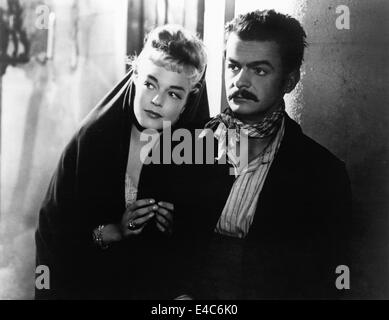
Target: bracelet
<point x="98" y="237"/>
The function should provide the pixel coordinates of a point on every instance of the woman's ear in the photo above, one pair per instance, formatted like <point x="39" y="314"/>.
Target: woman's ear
<point x="135" y="72"/>
<point x="196" y="88"/>
<point x="195" y="91"/>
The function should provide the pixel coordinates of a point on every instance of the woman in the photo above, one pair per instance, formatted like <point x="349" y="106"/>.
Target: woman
<point x="104" y="228"/>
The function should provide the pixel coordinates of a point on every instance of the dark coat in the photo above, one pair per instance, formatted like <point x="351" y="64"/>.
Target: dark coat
<point x="299" y="235"/>
<point x="87" y="190"/>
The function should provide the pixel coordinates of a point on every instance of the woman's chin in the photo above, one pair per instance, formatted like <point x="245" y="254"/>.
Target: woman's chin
<point x="153" y="124"/>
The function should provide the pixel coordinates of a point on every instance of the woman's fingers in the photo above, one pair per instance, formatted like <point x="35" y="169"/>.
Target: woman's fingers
<point x="135" y="226"/>
<point x="140" y="203"/>
<point x="166" y="205"/>
<point x="164" y="219"/>
<point x="137" y="215"/>
<point x="139" y="221"/>
<point x="164" y="216"/>
<point x="161" y="227"/>
<point x="141" y="211"/>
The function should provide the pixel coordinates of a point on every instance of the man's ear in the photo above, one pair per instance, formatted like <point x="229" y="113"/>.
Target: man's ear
<point x="291" y="81"/>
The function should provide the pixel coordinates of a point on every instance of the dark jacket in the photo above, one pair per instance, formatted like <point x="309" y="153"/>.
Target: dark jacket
<point x="87" y="190"/>
<point x="299" y="235"/>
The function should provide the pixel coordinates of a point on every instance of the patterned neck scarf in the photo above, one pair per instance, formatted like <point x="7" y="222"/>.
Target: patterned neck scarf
<point x="226" y="121"/>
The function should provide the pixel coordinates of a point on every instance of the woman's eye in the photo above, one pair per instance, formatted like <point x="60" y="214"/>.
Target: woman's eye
<point x="149" y="85"/>
<point x="175" y="95"/>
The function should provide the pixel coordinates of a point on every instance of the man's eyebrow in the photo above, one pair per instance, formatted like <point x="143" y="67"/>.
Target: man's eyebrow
<point x="171" y="87"/>
<point x="233" y="61"/>
<point x="260" y="62"/>
<point x="254" y="63"/>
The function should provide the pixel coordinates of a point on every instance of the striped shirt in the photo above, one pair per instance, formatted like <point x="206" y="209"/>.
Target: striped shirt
<point x="238" y="213"/>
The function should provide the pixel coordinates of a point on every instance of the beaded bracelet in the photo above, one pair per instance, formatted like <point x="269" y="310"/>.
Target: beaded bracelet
<point x="98" y="237"/>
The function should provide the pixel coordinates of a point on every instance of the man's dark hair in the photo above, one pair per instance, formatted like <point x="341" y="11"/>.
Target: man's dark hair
<point x="269" y="25"/>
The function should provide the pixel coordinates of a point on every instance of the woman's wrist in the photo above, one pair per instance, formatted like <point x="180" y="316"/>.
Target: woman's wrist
<point x="111" y="234"/>
<point x="105" y="235"/>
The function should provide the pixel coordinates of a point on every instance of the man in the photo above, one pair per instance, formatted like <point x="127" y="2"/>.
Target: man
<point x="278" y="229"/>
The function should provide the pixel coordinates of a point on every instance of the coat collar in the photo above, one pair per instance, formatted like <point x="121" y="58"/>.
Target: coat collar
<point x="283" y="171"/>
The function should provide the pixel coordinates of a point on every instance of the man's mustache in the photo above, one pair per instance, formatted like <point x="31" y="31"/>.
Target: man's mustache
<point x="243" y="94"/>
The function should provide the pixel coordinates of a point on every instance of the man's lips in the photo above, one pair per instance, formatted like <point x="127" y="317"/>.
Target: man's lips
<point x="243" y="96"/>
<point x="239" y="98"/>
<point x="153" y="114"/>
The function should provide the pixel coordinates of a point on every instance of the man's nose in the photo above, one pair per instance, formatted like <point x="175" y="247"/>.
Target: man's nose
<point x="157" y="100"/>
<point x="242" y="79"/>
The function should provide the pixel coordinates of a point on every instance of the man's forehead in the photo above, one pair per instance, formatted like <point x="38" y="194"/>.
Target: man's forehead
<point x="248" y="51"/>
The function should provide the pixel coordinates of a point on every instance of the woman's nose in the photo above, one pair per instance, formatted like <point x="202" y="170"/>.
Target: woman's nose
<point x="157" y="100"/>
<point x="242" y="79"/>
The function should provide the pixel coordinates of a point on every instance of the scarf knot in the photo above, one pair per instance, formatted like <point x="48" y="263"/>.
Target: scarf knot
<point x="226" y="122"/>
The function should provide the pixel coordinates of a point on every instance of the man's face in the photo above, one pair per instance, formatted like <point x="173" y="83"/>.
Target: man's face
<point x="253" y="78"/>
<point x="160" y="95"/>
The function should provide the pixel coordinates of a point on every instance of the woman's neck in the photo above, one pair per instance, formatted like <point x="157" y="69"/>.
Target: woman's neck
<point x="141" y="147"/>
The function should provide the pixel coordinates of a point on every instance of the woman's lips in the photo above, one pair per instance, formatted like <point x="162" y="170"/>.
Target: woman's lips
<point x="153" y="115"/>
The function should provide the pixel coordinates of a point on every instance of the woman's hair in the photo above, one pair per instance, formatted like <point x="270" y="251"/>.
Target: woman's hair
<point x="176" y="49"/>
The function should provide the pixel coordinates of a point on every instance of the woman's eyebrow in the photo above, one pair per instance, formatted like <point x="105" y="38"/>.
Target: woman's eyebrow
<point x="152" y="78"/>
<point x="178" y="88"/>
<point x="170" y="87"/>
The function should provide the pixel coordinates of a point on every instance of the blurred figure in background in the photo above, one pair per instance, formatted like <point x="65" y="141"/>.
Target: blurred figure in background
<point x="106" y="227"/>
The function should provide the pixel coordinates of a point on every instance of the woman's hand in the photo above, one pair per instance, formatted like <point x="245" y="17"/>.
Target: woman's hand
<point x="164" y="217"/>
<point x="133" y="221"/>
<point x="136" y="217"/>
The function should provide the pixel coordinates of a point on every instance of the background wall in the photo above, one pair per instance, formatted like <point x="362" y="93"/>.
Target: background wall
<point x="345" y="107"/>
<point x="42" y="105"/>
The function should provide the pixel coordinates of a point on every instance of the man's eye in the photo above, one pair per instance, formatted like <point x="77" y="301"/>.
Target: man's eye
<point x="260" y="72"/>
<point x="232" y="67"/>
<point x="149" y="85"/>
<point x="175" y="95"/>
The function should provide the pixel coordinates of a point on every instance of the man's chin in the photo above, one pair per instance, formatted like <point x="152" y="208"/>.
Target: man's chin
<point x="241" y="109"/>
<point x="246" y="115"/>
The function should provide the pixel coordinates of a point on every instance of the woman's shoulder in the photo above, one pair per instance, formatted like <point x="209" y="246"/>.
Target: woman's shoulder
<point x="106" y="117"/>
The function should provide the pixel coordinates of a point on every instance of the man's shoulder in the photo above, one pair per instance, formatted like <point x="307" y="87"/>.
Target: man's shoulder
<point x="314" y="152"/>
<point x="320" y="152"/>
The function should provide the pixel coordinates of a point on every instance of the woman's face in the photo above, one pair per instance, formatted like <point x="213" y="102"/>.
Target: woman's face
<point x="160" y="95"/>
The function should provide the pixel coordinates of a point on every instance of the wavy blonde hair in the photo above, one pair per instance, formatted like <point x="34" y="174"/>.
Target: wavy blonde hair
<point x="176" y="49"/>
